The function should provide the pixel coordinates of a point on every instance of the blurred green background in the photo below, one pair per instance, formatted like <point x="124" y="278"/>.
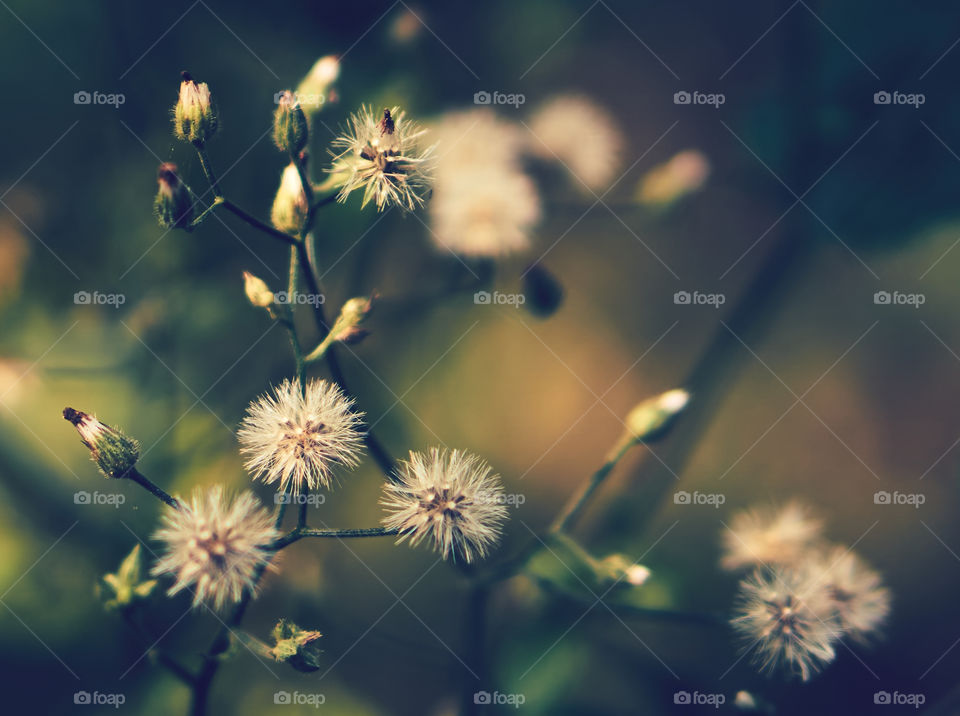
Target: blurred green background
<point x="176" y="364"/>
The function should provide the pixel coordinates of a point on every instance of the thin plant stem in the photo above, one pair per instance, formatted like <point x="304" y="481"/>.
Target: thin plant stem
<point x="164" y="659"/>
<point x="137" y="477"/>
<point x="328" y="532"/>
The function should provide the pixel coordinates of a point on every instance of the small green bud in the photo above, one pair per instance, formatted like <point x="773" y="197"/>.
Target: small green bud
<point x="125" y="587"/>
<point x="290" y="128"/>
<point x="195" y="115"/>
<point x="258" y="293"/>
<point x="290" y="207"/>
<point x="653" y="417"/>
<point x="172" y="205"/>
<point x="346" y="329"/>
<point x="114" y="453"/>
<point x="295" y="646"/>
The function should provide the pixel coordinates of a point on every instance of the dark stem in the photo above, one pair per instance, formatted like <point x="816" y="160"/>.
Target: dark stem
<point x="302" y="532"/>
<point x="134" y="474"/>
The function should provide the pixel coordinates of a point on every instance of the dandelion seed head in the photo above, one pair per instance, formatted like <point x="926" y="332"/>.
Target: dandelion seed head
<point x="215" y="545"/>
<point x="769" y="536"/>
<point x="786" y="617"/>
<point x="860" y="601"/>
<point x="451" y="498"/>
<point x="382" y="155"/>
<point x="581" y="135"/>
<point x="296" y="438"/>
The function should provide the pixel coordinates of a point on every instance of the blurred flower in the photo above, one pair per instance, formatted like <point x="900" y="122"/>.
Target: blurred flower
<point x="769" y="536"/>
<point x="297" y="438"/>
<point x="860" y="602"/>
<point x="785" y="614"/>
<point x="384" y="158"/>
<point x="580" y="134"/>
<point x="123" y="588"/>
<point x="482" y="204"/>
<point x="172" y="204"/>
<point x="681" y="175"/>
<point x="290" y="206"/>
<point x="14" y="249"/>
<point x="114" y="453"/>
<point x="406" y="26"/>
<point x="451" y="498"/>
<point x="195" y="117"/>
<point x="316" y="88"/>
<point x="215" y="546"/>
<point x="651" y="418"/>
<point x="290" y="129"/>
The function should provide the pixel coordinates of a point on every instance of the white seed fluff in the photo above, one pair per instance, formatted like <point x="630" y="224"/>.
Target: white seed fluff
<point x="450" y="498"/>
<point x="860" y="601"/>
<point x="296" y="438"/>
<point x="771" y="536"/>
<point x="215" y="545"/>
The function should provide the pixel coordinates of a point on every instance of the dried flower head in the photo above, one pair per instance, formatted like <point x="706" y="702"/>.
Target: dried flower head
<point x="483" y="204"/>
<point x="769" y="536"/>
<point x="172" y="205"/>
<point x="114" y="452"/>
<point x="195" y="117"/>
<point x="581" y="135"/>
<point x="215" y="545"/>
<point x="296" y="438"/>
<point x="860" y="601"/>
<point x="382" y="155"/>
<point x="451" y="498"/>
<point x="786" y="616"/>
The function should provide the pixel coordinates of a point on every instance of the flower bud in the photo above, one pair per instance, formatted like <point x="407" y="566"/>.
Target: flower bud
<point x="346" y="329"/>
<point x="295" y="646"/>
<point x="195" y="115"/>
<point x="651" y="418"/>
<point x="290" y="128"/>
<point x="315" y="89"/>
<point x="114" y="453"/>
<point x="172" y="205"/>
<point x="621" y="569"/>
<point x="258" y="293"/>
<point x="290" y="207"/>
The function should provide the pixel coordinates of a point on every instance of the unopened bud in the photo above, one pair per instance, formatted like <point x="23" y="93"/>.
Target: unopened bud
<point x="653" y="417"/>
<point x="315" y="90"/>
<point x="346" y="328"/>
<point x="258" y="293"/>
<point x="195" y="115"/>
<point x="290" y="128"/>
<point x="114" y="453"/>
<point x="172" y="204"/>
<point x="621" y="569"/>
<point x="290" y="207"/>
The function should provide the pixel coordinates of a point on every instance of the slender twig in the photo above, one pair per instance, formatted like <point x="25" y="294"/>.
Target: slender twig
<point x="256" y="223"/>
<point x="137" y="477"/>
<point x="302" y="532"/>
<point x="162" y="658"/>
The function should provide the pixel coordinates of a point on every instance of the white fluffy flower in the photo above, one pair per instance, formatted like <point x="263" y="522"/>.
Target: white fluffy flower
<point x="769" y="536"/>
<point x="786" y="615"/>
<point x="215" y="546"/>
<point x="483" y="204"/>
<point x="581" y="135"/>
<point x="382" y="156"/>
<point x="297" y="437"/>
<point x="860" y="601"/>
<point x="450" y="498"/>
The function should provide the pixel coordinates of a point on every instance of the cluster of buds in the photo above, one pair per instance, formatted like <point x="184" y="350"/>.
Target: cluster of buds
<point x="195" y="115"/>
<point x="113" y="452"/>
<point x="290" y="127"/>
<point x="172" y="205"/>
